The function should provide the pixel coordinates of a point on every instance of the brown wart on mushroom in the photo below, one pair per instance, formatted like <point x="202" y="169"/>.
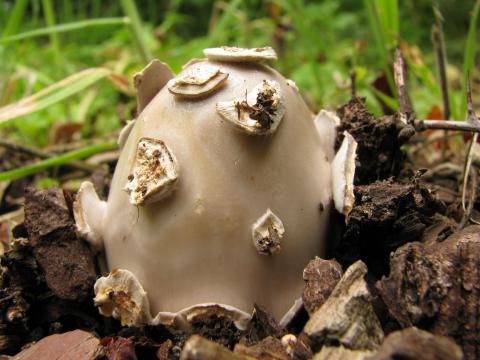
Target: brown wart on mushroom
<point x="121" y="295"/>
<point x="267" y="233"/>
<point x="259" y="112"/>
<point x="343" y="173"/>
<point x="150" y="81"/>
<point x="236" y="54"/>
<point x="155" y="173"/>
<point x="197" y="81"/>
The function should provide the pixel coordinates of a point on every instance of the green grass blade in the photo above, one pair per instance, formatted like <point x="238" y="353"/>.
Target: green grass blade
<point x="61" y="28"/>
<point x="379" y="37"/>
<point x="391" y="102"/>
<point x="225" y="21"/>
<point x="57" y="160"/>
<point x="15" y="18"/>
<point x="50" y="20"/>
<point x="390" y="22"/>
<point x="130" y="9"/>
<point x="53" y="93"/>
<point x="469" y="57"/>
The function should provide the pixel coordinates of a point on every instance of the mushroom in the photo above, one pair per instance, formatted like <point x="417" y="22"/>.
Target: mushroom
<point x="195" y="245"/>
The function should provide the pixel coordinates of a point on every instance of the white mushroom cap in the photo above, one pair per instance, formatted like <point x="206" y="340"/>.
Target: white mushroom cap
<point x="195" y="246"/>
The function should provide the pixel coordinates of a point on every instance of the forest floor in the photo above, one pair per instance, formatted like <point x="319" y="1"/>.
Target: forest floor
<point x="401" y="281"/>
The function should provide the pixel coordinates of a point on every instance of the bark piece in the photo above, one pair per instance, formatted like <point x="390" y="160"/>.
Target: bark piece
<point x="320" y="278"/>
<point x="198" y="348"/>
<point x="413" y="344"/>
<point x="386" y="215"/>
<point x="269" y="348"/>
<point x="164" y="351"/>
<point x="303" y="349"/>
<point x="118" y="348"/>
<point x="341" y="353"/>
<point x="435" y="286"/>
<point x="46" y="211"/>
<point x="66" y="260"/>
<point x="262" y="325"/>
<point x="347" y="317"/>
<point x="20" y="277"/>
<point x="73" y="345"/>
<point x="379" y="141"/>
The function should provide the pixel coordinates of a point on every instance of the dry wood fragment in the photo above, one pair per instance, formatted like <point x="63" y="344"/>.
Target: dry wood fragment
<point x="73" y="345"/>
<point x="117" y="348"/>
<point x="66" y="260"/>
<point x="435" y="285"/>
<point x="320" y="278"/>
<point x="386" y="215"/>
<point x="262" y="325"/>
<point x="269" y="348"/>
<point x="413" y="344"/>
<point x="341" y="353"/>
<point x="347" y="317"/>
<point x="198" y="348"/>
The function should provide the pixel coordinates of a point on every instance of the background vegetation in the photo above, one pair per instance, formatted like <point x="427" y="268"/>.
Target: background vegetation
<point x="98" y="46"/>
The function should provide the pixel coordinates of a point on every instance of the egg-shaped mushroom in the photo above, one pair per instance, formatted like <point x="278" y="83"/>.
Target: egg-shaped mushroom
<point x="222" y="190"/>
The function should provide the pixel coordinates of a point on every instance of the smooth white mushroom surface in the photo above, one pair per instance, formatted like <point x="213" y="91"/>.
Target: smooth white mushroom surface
<point x="195" y="246"/>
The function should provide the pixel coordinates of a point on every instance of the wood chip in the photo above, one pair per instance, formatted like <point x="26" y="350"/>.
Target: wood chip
<point x="321" y="277"/>
<point x="434" y="285"/>
<point x="73" y="345"/>
<point x="198" y="348"/>
<point x="413" y="344"/>
<point x="347" y="317"/>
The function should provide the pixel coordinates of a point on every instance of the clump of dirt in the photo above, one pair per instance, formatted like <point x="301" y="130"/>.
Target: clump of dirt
<point x="379" y="154"/>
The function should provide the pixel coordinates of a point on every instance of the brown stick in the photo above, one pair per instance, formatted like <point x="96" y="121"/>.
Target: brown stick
<point x="421" y="125"/>
<point x="400" y="76"/>
<point x="353" y="82"/>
